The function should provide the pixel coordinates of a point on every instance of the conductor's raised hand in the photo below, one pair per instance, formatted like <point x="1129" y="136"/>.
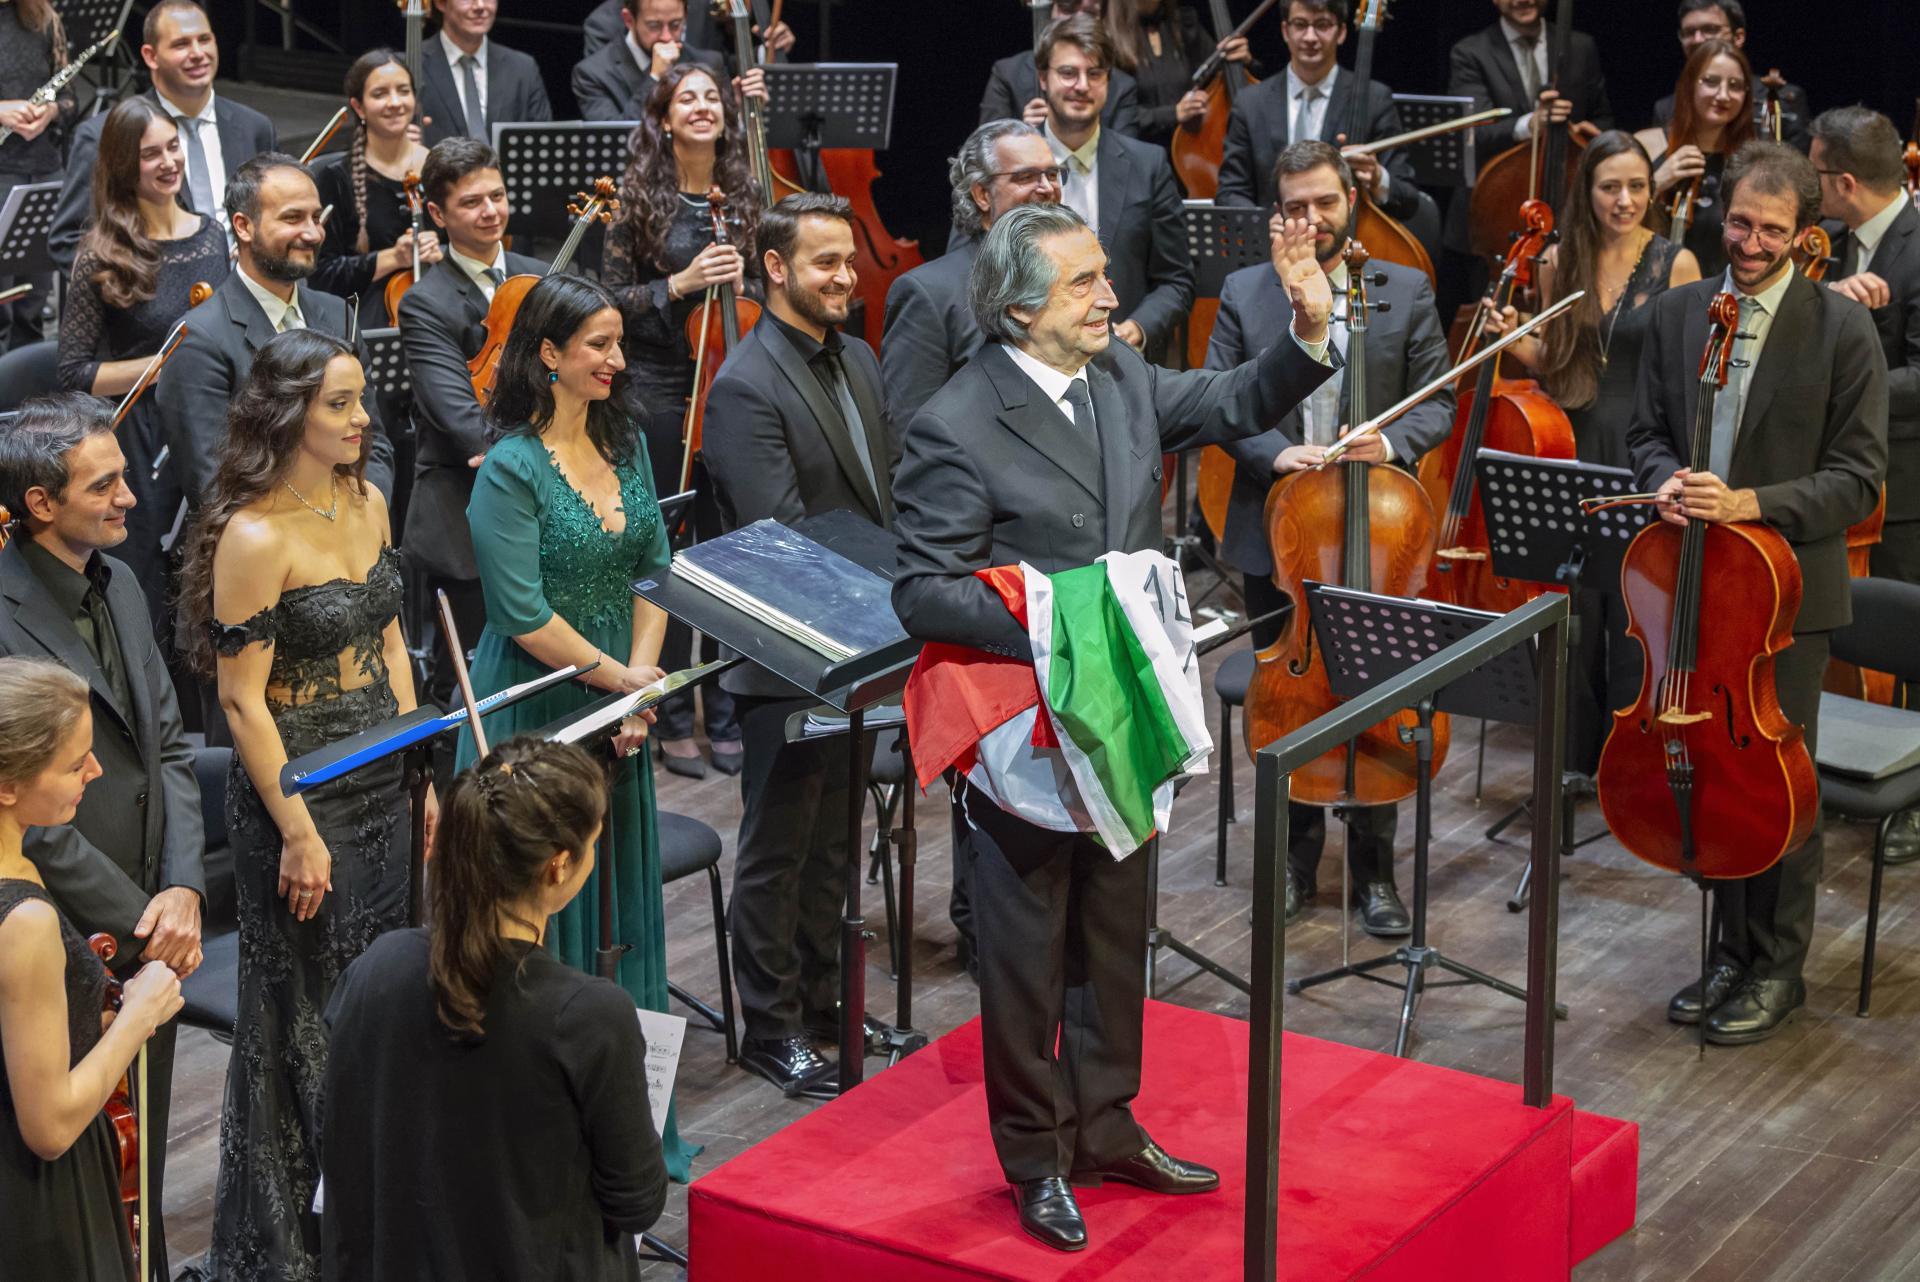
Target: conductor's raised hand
<point x="1299" y="271"/>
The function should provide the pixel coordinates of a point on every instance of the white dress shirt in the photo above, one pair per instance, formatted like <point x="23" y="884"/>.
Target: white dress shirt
<point x="209" y="131"/>
<point x="1081" y="192"/>
<point x="1523" y="123"/>
<point x="477" y="270"/>
<point x="641" y="58"/>
<point x="454" y="54"/>
<point x="1756" y="319"/>
<point x="282" y="315"/>
<point x="1313" y="127"/>
<point x="1868" y="235"/>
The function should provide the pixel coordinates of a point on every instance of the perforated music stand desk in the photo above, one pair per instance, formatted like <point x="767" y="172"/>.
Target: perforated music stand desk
<point x="25" y="220"/>
<point x="1449" y="159"/>
<point x="387" y="362"/>
<point x="1222" y="239"/>
<point x="544" y="163"/>
<point x="811" y="105"/>
<point x="1535" y="527"/>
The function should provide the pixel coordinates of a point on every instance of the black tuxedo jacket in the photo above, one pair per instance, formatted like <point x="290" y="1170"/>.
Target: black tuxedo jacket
<point x="442" y="327"/>
<point x="244" y="134"/>
<point x="515" y="92"/>
<point x="1143" y="230"/>
<point x="1813" y="434"/>
<point x="1260" y="128"/>
<point x="1482" y="66"/>
<point x="1015" y="82"/>
<point x="609" y="85"/>
<point x="603" y="27"/>
<point x="138" y="830"/>
<point x="1406" y="349"/>
<point x="929" y="332"/>
<point x="991" y="473"/>
<point x="1897" y="261"/>
<point x="777" y="446"/>
<point x="206" y="370"/>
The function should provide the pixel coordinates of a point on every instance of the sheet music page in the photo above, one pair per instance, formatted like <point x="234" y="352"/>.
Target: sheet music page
<point x="664" y="1034"/>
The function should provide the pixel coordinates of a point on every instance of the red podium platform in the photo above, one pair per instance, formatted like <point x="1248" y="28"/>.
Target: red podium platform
<point x="1389" y="1169"/>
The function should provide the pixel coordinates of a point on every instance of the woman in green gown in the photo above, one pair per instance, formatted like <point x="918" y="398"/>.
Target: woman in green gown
<point x="564" y="520"/>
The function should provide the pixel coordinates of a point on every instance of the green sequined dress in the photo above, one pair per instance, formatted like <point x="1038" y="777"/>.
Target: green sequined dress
<point x="542" y="551"/>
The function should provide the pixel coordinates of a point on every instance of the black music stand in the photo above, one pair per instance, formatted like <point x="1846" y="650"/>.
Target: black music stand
<point x="545" y="162"/>
<point x="1538" y="534"/>
<point x="1444" y="161"/>
<point x="387" y="363"/>
<point x="88" y="21"/>
<point x="850" y="686"/>
<point x="811" y="105"/>
<point x="1366" y="639"/>
<point x="25" y="219"/>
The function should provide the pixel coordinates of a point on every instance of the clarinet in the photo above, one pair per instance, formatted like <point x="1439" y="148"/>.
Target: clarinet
<point x="47" y="92"/>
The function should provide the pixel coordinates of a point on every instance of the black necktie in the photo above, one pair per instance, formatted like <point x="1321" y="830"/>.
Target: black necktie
<point x="1077" y="396"/>
<point x="836" y="372"/>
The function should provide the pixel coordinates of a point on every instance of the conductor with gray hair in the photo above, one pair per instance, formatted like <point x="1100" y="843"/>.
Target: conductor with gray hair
<point x="1046" y="449"/>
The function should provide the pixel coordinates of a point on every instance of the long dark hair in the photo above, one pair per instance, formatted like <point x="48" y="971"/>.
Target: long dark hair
<point x="129" y="259"/>
<point x="1571" y="372"/>
<point x="501" y="822"/>
<point x="39" y="16"/>
<point x="265" y="424"/>
<point x="357" y="76"/>
<point x="522" y="400"/>
<point x="1685" y="125"/>
<point x="1129" y="34"/>
<point x="650" y="189"/>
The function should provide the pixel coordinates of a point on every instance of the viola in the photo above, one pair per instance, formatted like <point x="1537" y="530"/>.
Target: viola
<point x="1198" y="148"/>
<point x="1498" y="413"/>
<point x="401" y="281"/>
<point x="713" y="331"/>
<point x="129" y="1126"/>
<point x="1369" y="528"/>
<point x="1704" y="775"/>
<point x="587" y="208"/>
<point x="1541" y="168"/>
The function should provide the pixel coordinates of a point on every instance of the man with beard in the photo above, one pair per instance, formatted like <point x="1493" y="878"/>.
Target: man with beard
<point x="1406" y="349"/>
<point x="1799" y="442"/>
<point x="1013" y="87"/>
<point x="614" y="81"/>
<point x="796" y="425"/>
<point x="1123" y="188"/>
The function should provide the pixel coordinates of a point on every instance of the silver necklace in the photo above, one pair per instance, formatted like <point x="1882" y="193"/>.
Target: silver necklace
<point x="333" y="492"/>
<point x="1613" y="315"/>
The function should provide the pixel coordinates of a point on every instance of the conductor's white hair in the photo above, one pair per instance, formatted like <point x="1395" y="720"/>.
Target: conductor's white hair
<point x="1012" y="270"/>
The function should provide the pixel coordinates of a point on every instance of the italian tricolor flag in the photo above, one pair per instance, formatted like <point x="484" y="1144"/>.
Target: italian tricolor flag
<point x="1091" y="736"/>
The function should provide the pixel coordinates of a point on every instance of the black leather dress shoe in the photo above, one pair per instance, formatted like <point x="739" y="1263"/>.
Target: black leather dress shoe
<point x="1049" y="1213"/>
<point x="792" y="1064"/>
<point x="1721" y="981"/>
<point x="1757" y="1010"/>
<point x="1155" y="1170"/>
<point x="1903" y="839"/>
<point x="1381" y="912"/>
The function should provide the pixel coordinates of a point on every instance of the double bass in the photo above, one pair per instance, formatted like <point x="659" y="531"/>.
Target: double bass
<point x="713" y="331"/>
<point x="1199" y="148"/>
<point x="1387" y="238"/>
<point x="1541" y="168"/>
<point x="1364" y="527"/>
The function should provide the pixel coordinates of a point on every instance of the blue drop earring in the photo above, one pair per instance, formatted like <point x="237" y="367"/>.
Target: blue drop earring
<point x="553" y="376"/>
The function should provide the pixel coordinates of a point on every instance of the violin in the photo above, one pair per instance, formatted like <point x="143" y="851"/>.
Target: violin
<point x="1386" y="237"/>
<point x="587" y="208"/>
<point x="1680" y="209"/>
<point x="1198" y="148"/>
<point x="401" y="281"/>
<point x="1499" y="413"/>
<point x="713" y="331"/>
<point x="1704" y="775"/>
<point x="129" y="1122"/>
<point x="1541" y="168"/>
<point x="1369" y="528"/>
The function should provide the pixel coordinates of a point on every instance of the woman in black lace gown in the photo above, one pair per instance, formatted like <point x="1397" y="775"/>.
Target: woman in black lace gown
<point x="59" y="1159"/>
<point x="131" y="279"/>
<point x="1587" y="363"/>
<point x="292" y="592"/>
<point x="661" y="257"/>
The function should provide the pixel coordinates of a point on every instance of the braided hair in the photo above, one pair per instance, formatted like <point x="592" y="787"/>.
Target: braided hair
<point x="357" y="76"/>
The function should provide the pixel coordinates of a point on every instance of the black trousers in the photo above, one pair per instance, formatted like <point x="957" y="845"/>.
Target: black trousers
<point x="1605" y="675"/>
<point x="1897" y="554"/>
<point x="789" y="872"/>
<point x="675" y="715"/>
<point x="1766" y="921"/>
<point x="1062" y="937"/>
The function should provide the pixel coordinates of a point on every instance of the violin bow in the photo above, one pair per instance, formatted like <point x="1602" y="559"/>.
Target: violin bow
<point x="12" y="292"/>
<point x="1373" y="425"/>
<point x="151" y="372"/>
<point x="458" y="653"/>
<point x="324" y="136"/>
<point x="1425" y="132"/>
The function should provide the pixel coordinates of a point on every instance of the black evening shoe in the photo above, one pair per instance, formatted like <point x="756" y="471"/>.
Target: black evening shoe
<point x="1721" y="981"/>
<point x="1757" y="1010"/>
<point x="1903" y="839"/>
<point x="694" y="767"/>
<point x="1381" y="912"/>
<point x="792" y="1064"/>
<point x="731" y="762"/>
<point x="1155" y="1170"/>
<point x="1049" y="1213"/>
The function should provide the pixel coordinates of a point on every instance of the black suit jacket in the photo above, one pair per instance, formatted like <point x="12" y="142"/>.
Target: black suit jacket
<point x="1796" y="117"/>
<point x="244" y="134"/>
<point x="1260" y="127"/>
<point x="609" y="85"/>
<point x="515" y="92"/>
<point x="1144" y="231"/>
<point x="138" y="830"/>
<point x="603" y="27"/>
<point x="1406" y="349"/>
<point x="1015" y="82"/>
<point x="1813" y="434"/>
<point x="929" y="332"/>
<point x="991" y="473"/>
<point x="206" y="370"/>
<point x="1482" y="66"/>
<point x="777" y="446"/>
<point x="1897" y="261"/>
<point x="442" y="327"/>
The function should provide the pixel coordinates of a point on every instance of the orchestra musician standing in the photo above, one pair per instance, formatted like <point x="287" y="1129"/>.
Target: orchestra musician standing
<point x="1712" y="119"/>
<point x="474" y="82"/>
<point x="1013" y="86"/>
<point x="1160" y="43"/>
<point x="1799" y="441"/>
<point x="614" y="81"/>
<point x="33" y="45"/>
<point x="1703" y="20"/>
<point x="1406" y="349"/>
<point x="797" y="425"/>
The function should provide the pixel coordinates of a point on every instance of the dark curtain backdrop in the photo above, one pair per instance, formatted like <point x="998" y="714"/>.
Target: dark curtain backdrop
<point x="1841" y="51"/>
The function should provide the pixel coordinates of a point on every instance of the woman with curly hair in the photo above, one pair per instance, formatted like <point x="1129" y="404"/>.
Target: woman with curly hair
<point x="369" y="233"/>
<point x="661" y="258"/>
<point x="291" y="590"/>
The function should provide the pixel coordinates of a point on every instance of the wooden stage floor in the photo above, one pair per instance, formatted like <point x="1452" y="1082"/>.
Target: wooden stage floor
<point x="1794" y="1161"/>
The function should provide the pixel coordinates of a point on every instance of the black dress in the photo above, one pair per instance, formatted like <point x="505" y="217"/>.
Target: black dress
<point x="526" y="1153"/>
<point x="324" y="636"/>
<point x="27" y="60"/>
<point x="61" y="1219"/>
<point x="1165" y="77"/>
<point x="342" y="270"/>
<point x="1709" y="216"/>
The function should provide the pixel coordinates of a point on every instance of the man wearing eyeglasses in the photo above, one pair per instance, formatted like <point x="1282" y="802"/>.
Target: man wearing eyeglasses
<point x="1313" y="102"/>
<point x="1704" y="20"/>
<point x="1799" y="442"/>
<point x="1013" y="87"/>
<point x="614" y="82"/>
<point x="605" y="26"/>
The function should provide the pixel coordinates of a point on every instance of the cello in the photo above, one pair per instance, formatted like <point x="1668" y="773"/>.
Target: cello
<point x="1541" y="168"/>
<point x="1197" y="149"/>
<point x="1499" y="413"/>
<point x="711" y="342"/>
<point x="1365" y="527"/>
<point x="129" y="1121"/>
